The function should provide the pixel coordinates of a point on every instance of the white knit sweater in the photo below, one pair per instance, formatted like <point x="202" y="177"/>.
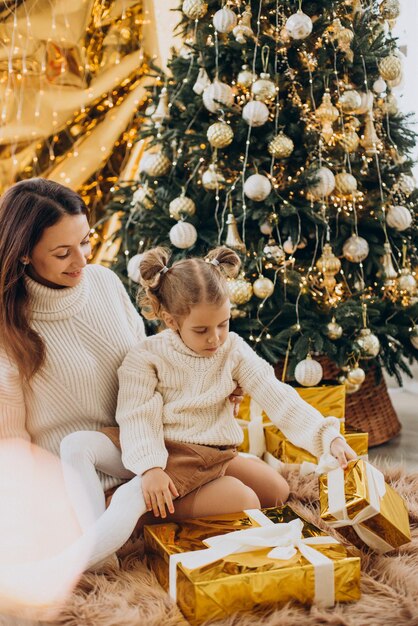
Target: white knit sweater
<point x="88" y="330"/>
<point x="168" y="391"/>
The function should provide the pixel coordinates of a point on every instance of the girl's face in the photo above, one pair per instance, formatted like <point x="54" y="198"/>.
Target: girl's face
<point x="206" y="327"/>
<point x="60" y="255"/>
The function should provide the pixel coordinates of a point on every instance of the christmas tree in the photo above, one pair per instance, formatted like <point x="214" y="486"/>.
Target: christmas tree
<point x="277" y="134"/>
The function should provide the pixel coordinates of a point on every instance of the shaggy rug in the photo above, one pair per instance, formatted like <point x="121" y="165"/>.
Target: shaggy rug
<point x="131" y="596"/>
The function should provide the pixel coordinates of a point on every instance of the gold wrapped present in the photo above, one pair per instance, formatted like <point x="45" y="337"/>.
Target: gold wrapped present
<point x="279" y="447"/>
<point x="215" y="566"/>
<point x="363" y="508"/>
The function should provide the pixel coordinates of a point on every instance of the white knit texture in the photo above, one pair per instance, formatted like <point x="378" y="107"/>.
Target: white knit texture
<point x="167" y="391"/>
<point x="88" y="330"/>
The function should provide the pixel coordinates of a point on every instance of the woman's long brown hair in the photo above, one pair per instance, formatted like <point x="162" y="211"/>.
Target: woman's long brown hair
<point x="26" y="210"/>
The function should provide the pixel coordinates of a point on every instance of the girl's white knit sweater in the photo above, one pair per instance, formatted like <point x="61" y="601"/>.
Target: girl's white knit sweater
<point x="167" y="391"/>
<point x="88" y="330"/>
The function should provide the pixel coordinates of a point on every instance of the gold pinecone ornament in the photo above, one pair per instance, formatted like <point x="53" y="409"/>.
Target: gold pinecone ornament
<point x="281" y="146"/>
<point x="390" y="67"/>
<point x="240" y="291"/>
<point x="220" y="135"/>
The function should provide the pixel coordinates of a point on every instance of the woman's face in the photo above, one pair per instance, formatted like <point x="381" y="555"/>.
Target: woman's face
<point x="60" y="255"/>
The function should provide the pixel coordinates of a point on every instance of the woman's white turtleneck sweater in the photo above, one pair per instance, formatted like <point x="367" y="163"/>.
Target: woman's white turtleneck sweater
<point x="88" y="330"/>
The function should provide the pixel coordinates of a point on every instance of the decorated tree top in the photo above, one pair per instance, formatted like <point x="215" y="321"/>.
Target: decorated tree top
<point x="278" y="134"/>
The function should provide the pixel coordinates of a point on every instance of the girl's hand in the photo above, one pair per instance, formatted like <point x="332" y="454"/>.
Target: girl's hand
<point x="236" y="398"/>
<point x="158" y="490"/>
<point x="342" y="451"/>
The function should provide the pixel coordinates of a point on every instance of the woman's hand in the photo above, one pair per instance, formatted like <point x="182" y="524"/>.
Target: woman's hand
<point x="236" y="398"/>
<point x="342" y="451"/>
<point x="158" y="490"/>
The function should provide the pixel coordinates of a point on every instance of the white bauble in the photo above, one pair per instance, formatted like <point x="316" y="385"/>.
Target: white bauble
<point x="183" y="235"/>
<point x="216" y="95"/>
<point x="366" y="105"/>
<point x="133" y="268"/>
<point x="355" y="249"/>
<point x="334" y="330"/>
<point x="181" y="206"/>
<point x="299" y="25"/>
<point x="143" y="197"/>
<point x="224" y="20"/>
<point x="406" y="184"/>
<point x="345" y="183"/>
<point x="255" y="113"/>
<point x="350" y="101"/>
<point x="264" y="88"/>
<point x="413" y="337"/>
<point x="257" y="187"/>
<point x="356" y="376"/>
<point x="308" y="372"/>
<point x="406" y="282"/>
<point x="155" y="164"/>
<point x="220" y="135"/>
<point x="263" y="287"/>
<point x="398" y="217"/>
<point x="212" y="179"/>
<point x="324" y="185"/>
<point x="194" y="9"/>
<point x="379" y="86"/>
<point x="266" y="228"/>
<point x="246" y="77"/>
<point x="289" y="247"/>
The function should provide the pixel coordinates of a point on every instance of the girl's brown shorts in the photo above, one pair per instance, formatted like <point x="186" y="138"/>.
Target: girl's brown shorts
<point x="189" y="465"/>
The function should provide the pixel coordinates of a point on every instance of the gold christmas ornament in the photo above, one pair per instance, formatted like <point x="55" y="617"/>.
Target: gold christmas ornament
<point x="263" y="287"/>
<point x="390" y="67"/>
<point x="224" y="20"/>
<point x="345" y="184"/>
<point x="406" y="282"/>
<point x="143" y="197"/>
<point x="350" y="387"/>
<point x="398" y="217"/>
<point x="406" y="184"/>
<point x="181" y="206"/>
<point x="334" y="330"/>
<point x="368" y="343"/>
<point x="155" y="164"/>
<point x="217" y="95"/>
<point x="326" y="114"/>
<point x="390" y="9"/>
<point x="308" y="372"/>
<point x="233" y="239"/>
<point x="355" y="249"/>
<point x="366" y="105"/>
<point x="274" y="252"/>
<point x="243" y="30"/>
<point x="240" y="291"/>
<point x="356" y="376"/>
<point x="299" y="25"/>
<point x="370" y="141"/>
<point x="387" y="266"/>
<point x="255" y="113"/>
<point x="183" y="235"/>
<point x="350" y="101"/>
<point x="324" y="185"/>
<point x="264" y="88"/>
<point x="349" y="140"/>
<point x="413" y="337"/>
<point x="220" y="135"/>
<point x="343" y="36"/>
<point x="162" y="112"/>
<point x="212" y="179"/>
<point x="246" y="77"/>
<point x="390" y="104"/>
<point x="281" y="146"/>
<point x="194" y="9"/>
<point x="329" y="265"/>
<point x="257" y="187"/>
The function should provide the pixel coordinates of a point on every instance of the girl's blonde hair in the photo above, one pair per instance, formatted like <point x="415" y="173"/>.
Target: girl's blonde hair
<point x="185" y="284"/>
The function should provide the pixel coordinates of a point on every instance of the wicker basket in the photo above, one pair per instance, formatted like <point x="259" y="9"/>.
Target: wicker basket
<point x="370" y="409"/>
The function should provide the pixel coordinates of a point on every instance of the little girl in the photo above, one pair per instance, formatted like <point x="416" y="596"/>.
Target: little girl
<point x="177" y="433"/>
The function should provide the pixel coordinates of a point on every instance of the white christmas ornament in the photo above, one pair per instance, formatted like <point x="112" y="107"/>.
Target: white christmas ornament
<point x="224" y="20"/>
<point x="264" y="88"/>
<point x="355" y="249"/>
<point x="356" y="376"/>
<point x="289" y="247"/>
<point x="155" y="164"/>
<point x="379" y="86"/>
<point x="366" y="104"/>
<point x="194" y="9"/>
<point x="183" y="235"/>
<point x="263" y="287"/>
<point x="246" y="77"/>
<point x="143" y="198"/>
<point x="266" y="228"/>
<point x="299" y="25"/>
<point x="133" y="268"/>
<point x="324" y="185"/>
<point x="398" y="217"/>
<point x="406" y="184"/>
<point x="345" y="183"/>
<point x="212" y="179"/>
<point x="216" y="95"/>
<point x="255" y="113"/>
<point x="181" y="206"/>
<point x="308" y="372"/>
<point x="202" y="81"/>
<point x="257" y="187"/>
<point x="243" y="30"/>
<point x="350" y="101"/>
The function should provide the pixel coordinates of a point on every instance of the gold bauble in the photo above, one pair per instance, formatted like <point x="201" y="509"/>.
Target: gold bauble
<point x="334" y="330"/>
<point x="263" y="287"/>
<point x="349" y="141"/>
<point x="350" y="101"/>
<point x="246" y="77"/>
<point x="368" y="343"/>
<point x="355" y="249"/>
<point x="264" y="88"/>
<point x="240" y="291"/>
<point x="350" y="387"/>
<point x="345" y="183"/>
<point x="328" y="263"/>
<point x="143" y="197"/>
<point x="181" y="206"/>
<point x="326" y="113"/>
<point x="390" y="67"/>
<point x="194" y="9"/>
<point x="220" y="135"/>
<point x="390" y="9"/>
<point x="281" y="146"/>
<point x="356" y="376"/>
<point x="274" y="252"/>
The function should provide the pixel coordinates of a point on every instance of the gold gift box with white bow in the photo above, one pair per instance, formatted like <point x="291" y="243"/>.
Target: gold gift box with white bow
<point x="212" y="571"/>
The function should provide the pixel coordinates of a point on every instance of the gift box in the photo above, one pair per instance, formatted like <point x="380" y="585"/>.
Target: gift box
<point x="279" y="447"/>
<point x="363" y="508"/>
<point x="215" y="566"/>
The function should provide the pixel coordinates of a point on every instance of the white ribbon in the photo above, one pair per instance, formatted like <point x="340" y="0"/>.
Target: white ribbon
<point x="326" y="463"/>
<point x="285" y="539"/>
<point x="337" y="506"/>
<point x="255" y="428"/>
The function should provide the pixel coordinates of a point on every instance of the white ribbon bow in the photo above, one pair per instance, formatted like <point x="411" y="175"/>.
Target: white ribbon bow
<point x="326" y="463"/>
<point x="285" y="539"/>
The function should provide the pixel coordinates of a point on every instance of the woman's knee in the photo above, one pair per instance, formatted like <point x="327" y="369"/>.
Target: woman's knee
<point x="280" y="491"/>
<point x="242" y="496"/>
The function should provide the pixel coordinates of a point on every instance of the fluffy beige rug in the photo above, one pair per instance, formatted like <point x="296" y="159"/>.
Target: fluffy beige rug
<point x="131" y="596"/>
